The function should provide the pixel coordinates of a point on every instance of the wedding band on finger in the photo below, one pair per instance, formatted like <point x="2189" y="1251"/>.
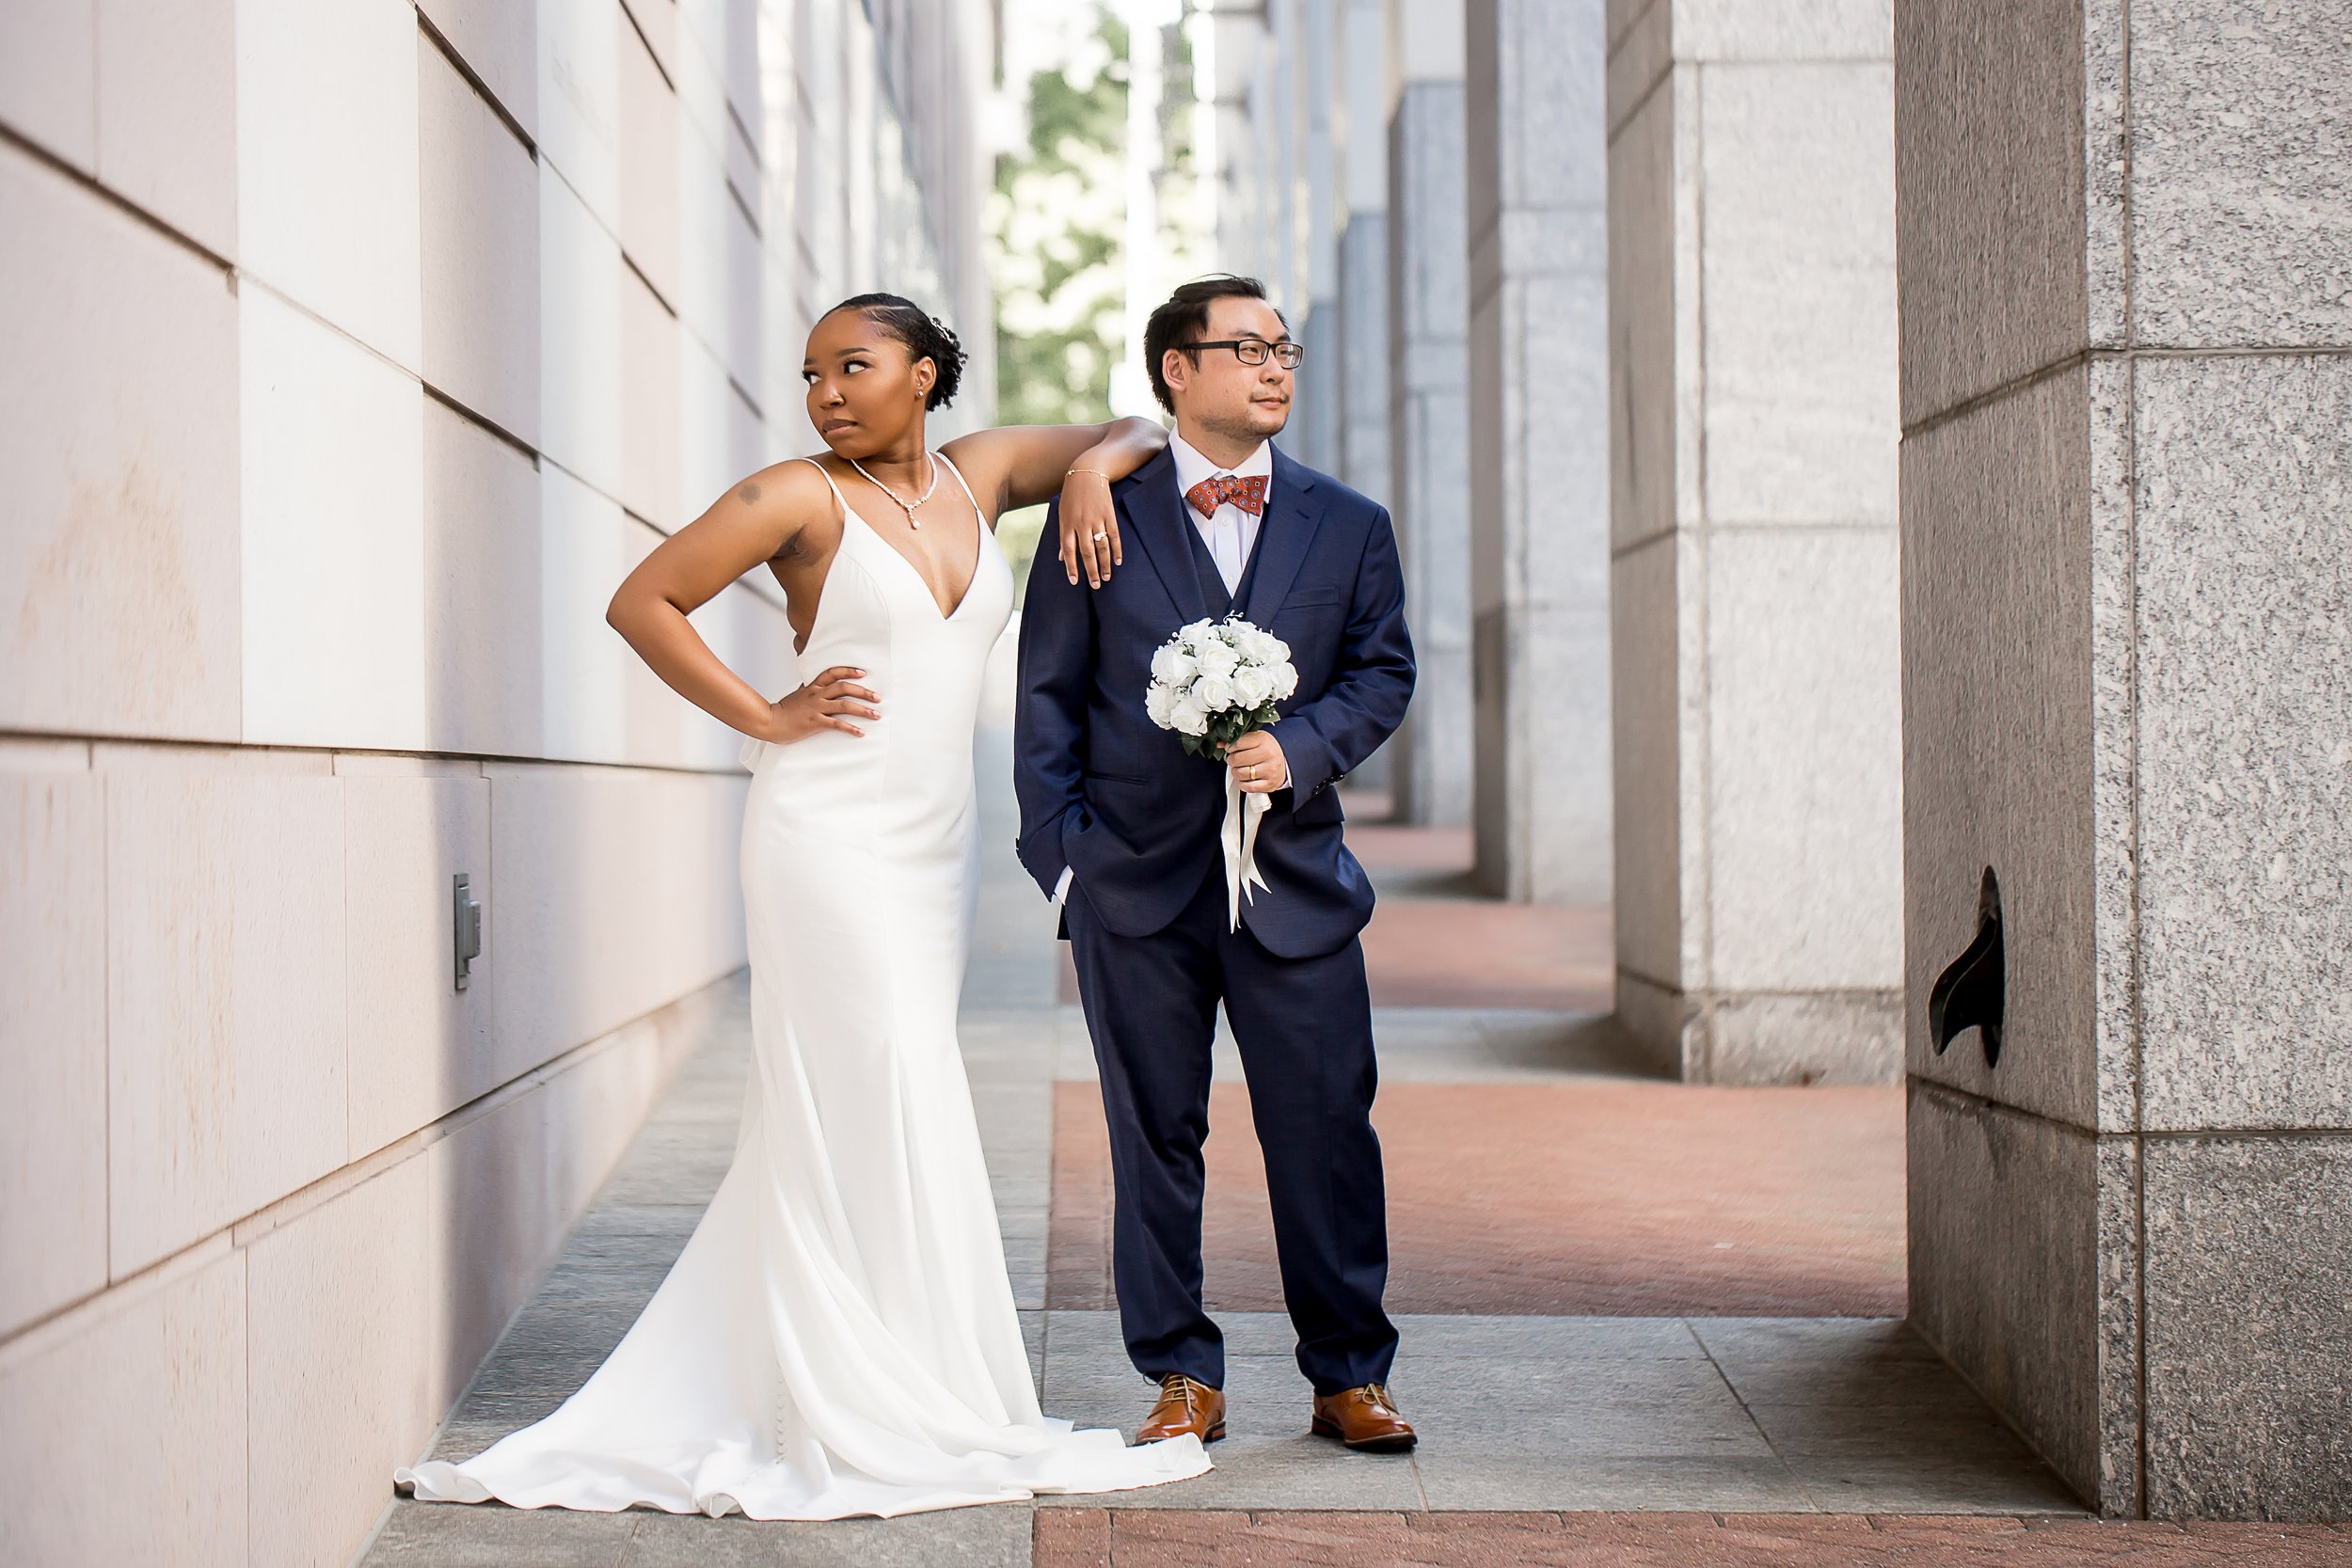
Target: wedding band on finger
<point x="1100" y="536"/>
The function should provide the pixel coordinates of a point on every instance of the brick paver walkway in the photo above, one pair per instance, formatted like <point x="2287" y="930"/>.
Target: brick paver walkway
<point x="1101" y="1538"/>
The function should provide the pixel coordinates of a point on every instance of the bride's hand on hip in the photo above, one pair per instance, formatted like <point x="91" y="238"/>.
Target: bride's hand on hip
<point x="1090" y="527"/>
<point x="830" y="702"/>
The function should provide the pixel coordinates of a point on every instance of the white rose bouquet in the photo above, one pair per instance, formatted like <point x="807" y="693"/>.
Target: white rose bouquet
<point x="1211" y="683"/>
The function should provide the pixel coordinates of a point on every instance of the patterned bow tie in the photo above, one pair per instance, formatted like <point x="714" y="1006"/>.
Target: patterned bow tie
<point x="1211" y="493"/>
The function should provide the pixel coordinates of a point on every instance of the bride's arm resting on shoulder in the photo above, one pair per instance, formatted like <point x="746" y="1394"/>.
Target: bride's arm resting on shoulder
<point x="769" y="514"/>
<point x="1024" y="464"/>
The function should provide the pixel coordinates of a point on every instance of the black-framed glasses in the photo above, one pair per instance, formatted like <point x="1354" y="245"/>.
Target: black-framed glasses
<point x="1253" y="350"/>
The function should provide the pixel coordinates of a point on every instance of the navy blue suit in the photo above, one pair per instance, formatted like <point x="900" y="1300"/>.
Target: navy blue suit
<point x="1107" y="793"/>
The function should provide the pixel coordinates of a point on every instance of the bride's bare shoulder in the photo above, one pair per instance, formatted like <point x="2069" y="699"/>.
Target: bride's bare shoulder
<point x="794" y="485"/>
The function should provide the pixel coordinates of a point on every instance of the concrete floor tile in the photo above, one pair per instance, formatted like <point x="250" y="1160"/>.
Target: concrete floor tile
<point x="640" y="1219"/>
<point x="1430" y="1338"/>
<point x="491" y="1535"/>
<point x="991" y="1537"/>
<point x="1742" y="1340"/>
<point x="504" y="1411"/>
<point x="528" y="1374"/>
<point x="1934" y="1483"/>
<point x="1934" y="1431"/>
<point x="1827" y="1380"/>
<point x="1517" y="1391"/>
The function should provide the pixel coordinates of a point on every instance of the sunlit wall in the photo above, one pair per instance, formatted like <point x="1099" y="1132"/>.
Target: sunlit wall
<point x="349" y="355"/>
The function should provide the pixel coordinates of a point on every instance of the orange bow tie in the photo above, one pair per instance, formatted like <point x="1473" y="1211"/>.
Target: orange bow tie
<point x="1216" y="490"/>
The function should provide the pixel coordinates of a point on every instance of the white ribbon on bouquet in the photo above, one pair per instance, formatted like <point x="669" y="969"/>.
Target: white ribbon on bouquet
<point x="1240" y="834"/>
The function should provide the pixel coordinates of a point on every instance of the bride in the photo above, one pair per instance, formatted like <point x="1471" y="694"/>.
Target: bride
<point x="838" y="1337"/>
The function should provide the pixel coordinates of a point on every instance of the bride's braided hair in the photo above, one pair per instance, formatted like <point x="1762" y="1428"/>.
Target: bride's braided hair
<point x="925" y="335"/>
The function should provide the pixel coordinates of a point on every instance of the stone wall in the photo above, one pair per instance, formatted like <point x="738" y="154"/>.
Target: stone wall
<point x="2126" y="325"/>
<point x="353" y="353"/>
<point x="1752" y="584"/>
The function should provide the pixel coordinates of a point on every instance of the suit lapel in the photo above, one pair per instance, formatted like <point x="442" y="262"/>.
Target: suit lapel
<point x="1285" y="536"/>
<point x="1156" y="521"/>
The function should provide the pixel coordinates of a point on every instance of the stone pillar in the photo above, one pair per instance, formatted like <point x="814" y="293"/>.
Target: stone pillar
<point x="1538" y="423"/>
<point x="2127" y="619"/>
<point x="1313" y="305"/>
<point x="1364" y="250"/>
<point x="1361" y="146"/>
<point x="1755" y="661"/>
<point x="1428" y="412"/>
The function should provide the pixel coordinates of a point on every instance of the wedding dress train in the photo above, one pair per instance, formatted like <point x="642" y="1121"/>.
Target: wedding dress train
<point x="838" y="1337"/>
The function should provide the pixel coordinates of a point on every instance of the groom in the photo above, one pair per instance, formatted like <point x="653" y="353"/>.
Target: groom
<point x="1120" y="824"/>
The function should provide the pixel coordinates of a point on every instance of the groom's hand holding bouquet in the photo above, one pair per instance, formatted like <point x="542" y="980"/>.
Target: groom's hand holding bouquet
<point x="1217" y="684"/>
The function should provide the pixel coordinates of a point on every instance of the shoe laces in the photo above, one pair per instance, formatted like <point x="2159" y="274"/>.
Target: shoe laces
<point x="1177" y="1383"/>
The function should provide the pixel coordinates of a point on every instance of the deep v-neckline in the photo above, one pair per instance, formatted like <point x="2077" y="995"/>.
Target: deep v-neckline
<point x="979" y="525"/>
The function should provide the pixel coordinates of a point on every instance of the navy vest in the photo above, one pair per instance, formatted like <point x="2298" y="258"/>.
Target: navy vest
<point x="1221" y="603"/>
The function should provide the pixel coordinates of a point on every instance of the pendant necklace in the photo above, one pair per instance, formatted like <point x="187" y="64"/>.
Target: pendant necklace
<point x="906" y="506"/>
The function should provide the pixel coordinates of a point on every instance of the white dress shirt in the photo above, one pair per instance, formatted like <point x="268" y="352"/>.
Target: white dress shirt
<point x="1229" y="532"/>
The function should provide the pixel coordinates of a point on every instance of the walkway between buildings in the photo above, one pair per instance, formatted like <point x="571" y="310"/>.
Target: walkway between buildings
<point x="1644" y="1323"/>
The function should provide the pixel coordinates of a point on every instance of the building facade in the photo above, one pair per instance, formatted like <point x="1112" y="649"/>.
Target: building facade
<point x="355" y="353"/>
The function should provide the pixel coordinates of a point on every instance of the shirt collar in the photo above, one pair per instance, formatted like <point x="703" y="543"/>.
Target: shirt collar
<point x="1191" y="468"/>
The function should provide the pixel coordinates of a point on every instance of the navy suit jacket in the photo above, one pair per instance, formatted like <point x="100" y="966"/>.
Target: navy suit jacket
<point x="1105" y="791"/>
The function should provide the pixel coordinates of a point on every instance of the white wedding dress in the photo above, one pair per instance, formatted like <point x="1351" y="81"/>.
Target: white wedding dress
<point x="838" y="1337"/>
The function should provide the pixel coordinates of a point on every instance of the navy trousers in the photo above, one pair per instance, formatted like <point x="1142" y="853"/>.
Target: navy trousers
<point x="1304" y="1027"/>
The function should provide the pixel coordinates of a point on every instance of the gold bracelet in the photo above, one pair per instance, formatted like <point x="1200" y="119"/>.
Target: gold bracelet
<point x="1096" y="472"/>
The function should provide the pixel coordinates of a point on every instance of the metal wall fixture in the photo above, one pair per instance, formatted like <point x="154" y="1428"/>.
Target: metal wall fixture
<point x="464" y="926"/>
<point x="1972" y="992"/>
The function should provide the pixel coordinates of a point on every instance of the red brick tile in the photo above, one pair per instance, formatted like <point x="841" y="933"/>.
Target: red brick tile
<point x="1592" y="1197"/>
<point x="1172" y="1537"/>
<point x="1479" y="953"/>
<point x="1071" y="1538"/>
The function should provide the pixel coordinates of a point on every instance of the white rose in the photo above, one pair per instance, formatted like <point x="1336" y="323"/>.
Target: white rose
<point x="1197" y="636"/>
<point x="1270" y="649"/>
<point x="1254" y="684"/>
<point x="1173" y="666"/>
<point x="1159" y="702"/>
<point x="1214" y="694"/>
<point x="1217" y="658"/>
<point x="1188" y="716"/>
<point x="1285" y="680"/>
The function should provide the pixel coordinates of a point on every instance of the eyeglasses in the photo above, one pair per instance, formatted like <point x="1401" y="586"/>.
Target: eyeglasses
<point x="1253" y="350"/>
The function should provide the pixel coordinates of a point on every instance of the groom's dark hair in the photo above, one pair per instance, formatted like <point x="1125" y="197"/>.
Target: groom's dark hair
<point x="1185" y="317"/>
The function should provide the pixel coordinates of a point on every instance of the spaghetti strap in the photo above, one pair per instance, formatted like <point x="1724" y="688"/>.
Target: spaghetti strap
<point x="961" y="484"/>
<point x="837" y="495"/>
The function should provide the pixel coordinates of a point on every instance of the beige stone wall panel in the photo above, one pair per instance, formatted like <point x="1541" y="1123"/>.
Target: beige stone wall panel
<point x="53" y="1017"/>
<point x="499" y="40"/>
<point x="148" y="1392"/>
<point x="119" y="430"/>
<point x="168" y="115"/>
<point x="327" y="164"/>
<point x="49" y="76"/>
<point x="484" y="683"/>
<point x="480" y="238"/>
<point x="226" y="995"/>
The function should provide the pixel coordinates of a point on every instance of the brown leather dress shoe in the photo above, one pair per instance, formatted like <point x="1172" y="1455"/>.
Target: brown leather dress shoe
<point x="1184" y="1406"/>
<point x="1365" y="1419"/>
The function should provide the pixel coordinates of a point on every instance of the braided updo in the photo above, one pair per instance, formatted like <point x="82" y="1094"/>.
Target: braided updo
<point x="925" y="335"/>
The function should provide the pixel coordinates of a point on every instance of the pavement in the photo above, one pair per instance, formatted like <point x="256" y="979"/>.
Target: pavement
<point x="1643" y="1322"/>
